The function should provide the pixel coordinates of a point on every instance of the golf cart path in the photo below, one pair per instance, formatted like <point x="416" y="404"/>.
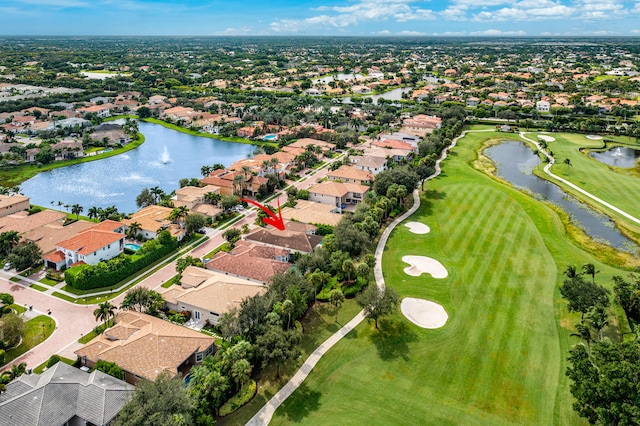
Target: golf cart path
<point x="547" y="170"/>
<point x="265" y="414"/>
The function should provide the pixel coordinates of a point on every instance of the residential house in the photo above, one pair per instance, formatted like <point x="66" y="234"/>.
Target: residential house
<point x="208" y="295"/>
<point x="102" y="111"/>
<point x="349" y="174"/>
<point x="337" y="194"/>
<point x="194" y="198"/>
<point x="112" y="133"/>
<point x="421" y="124"/>
<point x="373" y="165"/>
<point x="252" y="261"/>
<point x="308" y="142"/>
<point x="10" y="204"/>
<point x="223" y="179"/>
<point x="152" y="220"/>
<point x="309" y="212"/>
<point x="472" y="102"/>
<point x="543" y="106"/>
<point x="297" y="237"/>
<point x="64" y="395"/>
<point x="395" y="144"/>
<point x="101" y="242"/>
<point x="145" y="346"/>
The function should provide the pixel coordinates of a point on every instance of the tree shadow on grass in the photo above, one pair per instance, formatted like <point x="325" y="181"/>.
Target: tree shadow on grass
<point x="433" y="194"/>
<point x="393" y="338"/>
<point x="303" y="402"/>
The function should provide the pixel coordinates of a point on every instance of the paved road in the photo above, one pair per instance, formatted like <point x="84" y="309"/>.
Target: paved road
<point x="74" y="320"/>
<point x="71" y="321"/>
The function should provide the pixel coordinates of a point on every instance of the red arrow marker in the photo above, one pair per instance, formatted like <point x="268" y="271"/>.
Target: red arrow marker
<point x="272" y="220"/>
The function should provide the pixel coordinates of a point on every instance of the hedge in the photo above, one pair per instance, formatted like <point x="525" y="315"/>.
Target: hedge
<point x="111" y="272"/>
<point x="2" y="355"/>
<point x="239" y="399"/>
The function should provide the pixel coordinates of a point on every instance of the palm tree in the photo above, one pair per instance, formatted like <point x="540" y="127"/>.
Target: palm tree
<point x="287" y="309"/>
<point x="336" y="298"/>
<point x="570" y="272"/>
<point x="133" y="229"/>
<point x="205" y="170"/>
<point x="93" y="212"/>
<point x="597" y="318"/>
<point x="568" y="163"/>
<point x="363" y="271"/>
<point x="157" y="193"/>
<point x="584" y="333"/>
<point x="179" y="214"/>
<point x="590" y="269"/>
<point x="212" y="198"/>
<point x="241" y="372"/>
<point x="77" y="209"/>
<point x="104" y="312"/>
<point x="238" y="184"/>
<point x="348" y="268"/>
<point x="18" y="370"/>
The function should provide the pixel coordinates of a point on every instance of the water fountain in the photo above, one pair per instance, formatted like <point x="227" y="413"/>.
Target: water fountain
<point x="165" y="158"/>
<point x="618" y="153"/>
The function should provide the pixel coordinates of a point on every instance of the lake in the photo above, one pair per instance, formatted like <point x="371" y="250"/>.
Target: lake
<point x="515" y="162"/>
<point x="618" y="156"/>
<point x="162" y="160"/>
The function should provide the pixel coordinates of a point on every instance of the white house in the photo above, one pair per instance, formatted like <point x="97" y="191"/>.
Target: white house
<point x="543" y="106"/>
<point x="337" y="194"/>
<point x="101" y="242"/>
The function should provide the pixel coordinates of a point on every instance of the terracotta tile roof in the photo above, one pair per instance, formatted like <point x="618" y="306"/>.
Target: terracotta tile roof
<point x="289" y="239"/>
<point x="338" y="189"/>
<point x="23" y="222"/>
<point x="217" y="292"/>
<point x="49" y="235"/>
<point x="146" y="346"/>
<point x="310" y="212"/>
<point x="244" y="261"/>
<point x="150" y="218"/>
<point x="90" y="241"/>
<point x="108" y="225"/>
<point x="348" y="172"/>
<point x="55" y="257"/>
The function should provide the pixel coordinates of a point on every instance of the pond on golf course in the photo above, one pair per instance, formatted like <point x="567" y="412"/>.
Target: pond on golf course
<point x="162" y="160"/>
<point x="515" y="162"/>
<point x="620" y="156"/>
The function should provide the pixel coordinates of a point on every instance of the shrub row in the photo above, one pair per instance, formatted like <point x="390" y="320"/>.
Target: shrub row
<point x="238" y="400"/>
<point x="111" y="272"/>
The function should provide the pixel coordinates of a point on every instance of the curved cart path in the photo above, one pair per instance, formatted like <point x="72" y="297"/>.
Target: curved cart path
<point x="264" y="416"/>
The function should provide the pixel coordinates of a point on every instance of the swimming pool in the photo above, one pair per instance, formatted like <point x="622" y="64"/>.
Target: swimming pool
<point x="131" y="246"/>
<point x="270" y="137"/>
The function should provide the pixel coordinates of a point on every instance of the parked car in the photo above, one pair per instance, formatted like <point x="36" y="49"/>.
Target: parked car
<point x="7" y="266"/>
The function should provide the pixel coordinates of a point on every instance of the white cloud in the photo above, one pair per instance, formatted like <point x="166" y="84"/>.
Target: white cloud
<point x="451" y="33"/>
<point x="411" y="33"/>
<point x="634" y="31"/>
<point x="527" y="10"/>
<point x="498" y="33"/>
<point x="362" y="11"/>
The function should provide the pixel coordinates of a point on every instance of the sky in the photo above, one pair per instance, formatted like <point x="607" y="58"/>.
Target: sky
<point x="322" y="17"/>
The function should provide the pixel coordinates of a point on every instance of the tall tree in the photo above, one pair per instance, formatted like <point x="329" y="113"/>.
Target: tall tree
<point x="590" y="269"/>
<point x="377" y="303"/>
<point x="582" y="295"/>
<point x="277" y="346"/>
<point x="605" y="382"/>
<point x="142" y="299"/>
<point x="336" y="298"/>
<point x="77" y="209"/>
<point x="162" y="402"/>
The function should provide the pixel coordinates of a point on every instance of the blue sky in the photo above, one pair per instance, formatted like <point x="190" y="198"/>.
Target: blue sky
<point x="321" y="17"/>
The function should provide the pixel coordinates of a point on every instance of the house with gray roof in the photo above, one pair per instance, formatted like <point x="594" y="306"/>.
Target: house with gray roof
<point x="63" y="395"/>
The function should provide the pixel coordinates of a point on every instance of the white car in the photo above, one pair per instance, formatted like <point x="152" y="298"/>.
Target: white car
<point x="7" y="266"/>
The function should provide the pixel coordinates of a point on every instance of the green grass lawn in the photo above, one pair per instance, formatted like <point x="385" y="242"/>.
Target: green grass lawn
<point x="609" y="183"/>
<point x="500" y="359"/>
<point x="36" y="331"/>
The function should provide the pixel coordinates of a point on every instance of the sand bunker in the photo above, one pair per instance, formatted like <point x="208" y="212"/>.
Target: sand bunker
<point x="546" y="138"/>
<point x="424" y="313"/>
<point x="417" y="227"/>
<point x="421" y="265"/>
<point x="594" y="137"/>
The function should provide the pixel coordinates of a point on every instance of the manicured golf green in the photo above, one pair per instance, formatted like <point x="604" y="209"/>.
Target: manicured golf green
<point x="500" y="359"/>
<point x="609" y="183"/>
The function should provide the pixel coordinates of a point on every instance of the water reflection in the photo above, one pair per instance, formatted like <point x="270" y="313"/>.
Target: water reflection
<point x="164" y="158"/>
<point x="620" y="156"/>
<point x="515" y="162"/>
